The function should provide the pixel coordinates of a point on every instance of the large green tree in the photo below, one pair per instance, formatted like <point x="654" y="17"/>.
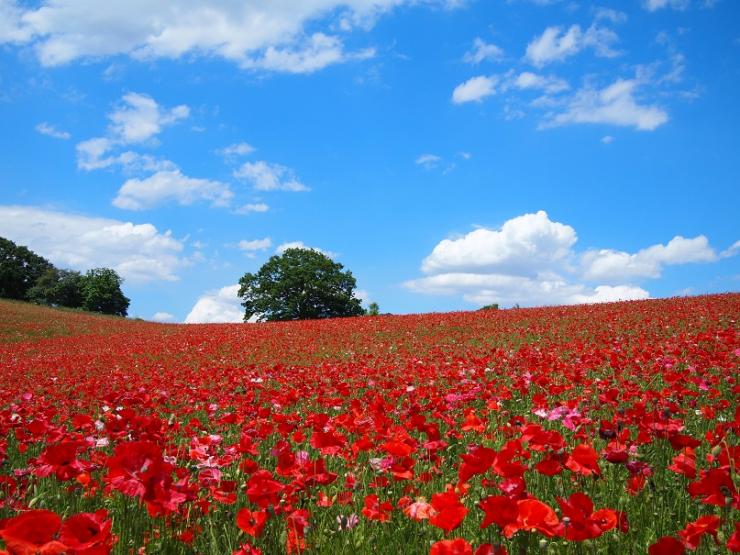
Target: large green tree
<point x="300" y="284"/>
<point x="19" y="269"/>
<point x="101" y="292"/>
<point x="58" y="288"/>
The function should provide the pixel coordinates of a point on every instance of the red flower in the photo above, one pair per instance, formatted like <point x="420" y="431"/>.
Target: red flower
<point x="375" y="510"/>
<point x="251" y="522"/>
<point x="262" y="490"/>
<point x="691" y="535"/>
<point x="247" y="549"/>
<point x="533" y="515"/>
<point x="715" y="486"/>
<point x="667" y="545"/>
<point x="584" y="460"/>
<point x="499" y="510"/>
<point x="88" y="533"/>
<point x="684" y="463"/>
<point x="33" y="532"/>
<point x="733" y="544"/>
<point x="458" y="546"/>
<point x="450" y="511"/>
<point x="60" y="459"/>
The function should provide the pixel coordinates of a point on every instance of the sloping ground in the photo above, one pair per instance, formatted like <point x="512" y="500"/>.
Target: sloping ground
<point x="176" y="429"/>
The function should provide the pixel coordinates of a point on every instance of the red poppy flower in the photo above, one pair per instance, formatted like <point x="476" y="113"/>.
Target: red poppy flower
<point x="584" y="460"/>
<point x="499" y="510"/>
<point x="533" y="515"/>
<point x="457" y="546"/>
<point x="262" y="490"/>
<point x="693" y="532"/>
<point x="33" y="532"/>
<point x="251" y="522"/>
<point x="667" y="545"/>
<point x="375" y="510"/>
<point x="88" y="533"/>
<point x="450" y="511"/>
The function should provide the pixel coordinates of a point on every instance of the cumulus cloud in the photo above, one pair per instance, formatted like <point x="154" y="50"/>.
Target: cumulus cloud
<point x="611" y="265"/>
<point x="531" y="260"/>
<point x="162" y="317"/>
<point x="615" y="104"/>
<point x="137" y="119"/>
<point x="547" y="83"/>
<point x="483" y="51"/>
<point x="250" y="247"/>
<point x="218" y="306"/>
<point x="139" y="252"/>
<point x="531" y="242"/>
<point x="474" y="89"/>
<point x="301" y="245"/>
<point x="255" y="35"/>
<point x="51" y="131"/>
<point x="170" y="186"/>
<point x="265" y="176"/>
<point x="556" y="43"/>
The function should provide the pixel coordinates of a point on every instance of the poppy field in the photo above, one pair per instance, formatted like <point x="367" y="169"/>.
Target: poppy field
<point x="606" y="428"/>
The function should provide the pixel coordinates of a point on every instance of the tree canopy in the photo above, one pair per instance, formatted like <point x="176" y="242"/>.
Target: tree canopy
<point x="26" y="276"/>
<point x="20" y="268"/>
<point x="101" y="292"/>
<point x="300" y="284"/>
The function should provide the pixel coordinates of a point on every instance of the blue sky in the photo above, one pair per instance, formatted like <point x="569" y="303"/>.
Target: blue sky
<point x="450" y="153"/>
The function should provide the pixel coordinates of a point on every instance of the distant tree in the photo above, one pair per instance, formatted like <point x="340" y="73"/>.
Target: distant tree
<point x="58" y="288"/>
<point x="300" y="284"/>
<point x="492" y="306"/>
<point x="19" y="269"/>
<point x="101" y="292"/>
<point x="373" y="309"/>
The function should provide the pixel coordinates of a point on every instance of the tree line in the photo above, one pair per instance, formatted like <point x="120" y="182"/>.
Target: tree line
<point x="26" y="276"/>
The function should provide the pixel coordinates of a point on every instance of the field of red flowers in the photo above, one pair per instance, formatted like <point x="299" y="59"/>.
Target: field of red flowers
<point x="593" y="429"/>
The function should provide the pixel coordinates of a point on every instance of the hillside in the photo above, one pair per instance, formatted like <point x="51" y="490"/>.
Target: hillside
<point x="416" y="425"/>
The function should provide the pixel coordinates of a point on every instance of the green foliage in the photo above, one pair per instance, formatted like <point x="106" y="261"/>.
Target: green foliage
<point x="19" y="269"/>
<point x="58" y="288"/>
<point x="373" y="309"/>
<point x="101" y="292"/>
<point x="301" y="284"/>
<point x="492" y="306"/>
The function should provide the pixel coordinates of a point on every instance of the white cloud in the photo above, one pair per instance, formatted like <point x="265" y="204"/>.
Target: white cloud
<point x="162" y="317"/>
<point x="301" y="245"/>
<point x="474" y="89"/>
<point x="219" y="306"/>
<point x="48" y="129"/>
<point x="254" y="245"/>
<point x="313" y="54"/>
<point x="531" y="260"/>
<point x="428" y="161"/>
<point x="610" y="265"/>
<point x="731" y="251"/>
<point x="549" y="83"/>
<point x="237" y="149"/>
<point x="607" y="139"/>
<point x="252" y="207"/>
<point x="654" y="5"/>
<point x="139" y="118"/>
<point x="613" y="105"/>
<point x="166" y="186"/>
<point x="531" y="241"/>
<point x="483" y="51"/>
<point x="139" y="252"/>
<point x="265" y="176"/>
<point x="481" y="289"/>
<point x="252" y="34"/>
<point x="556" y="43"/>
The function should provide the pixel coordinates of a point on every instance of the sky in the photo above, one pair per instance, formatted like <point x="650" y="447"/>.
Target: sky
<point x="450" y="153"/>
